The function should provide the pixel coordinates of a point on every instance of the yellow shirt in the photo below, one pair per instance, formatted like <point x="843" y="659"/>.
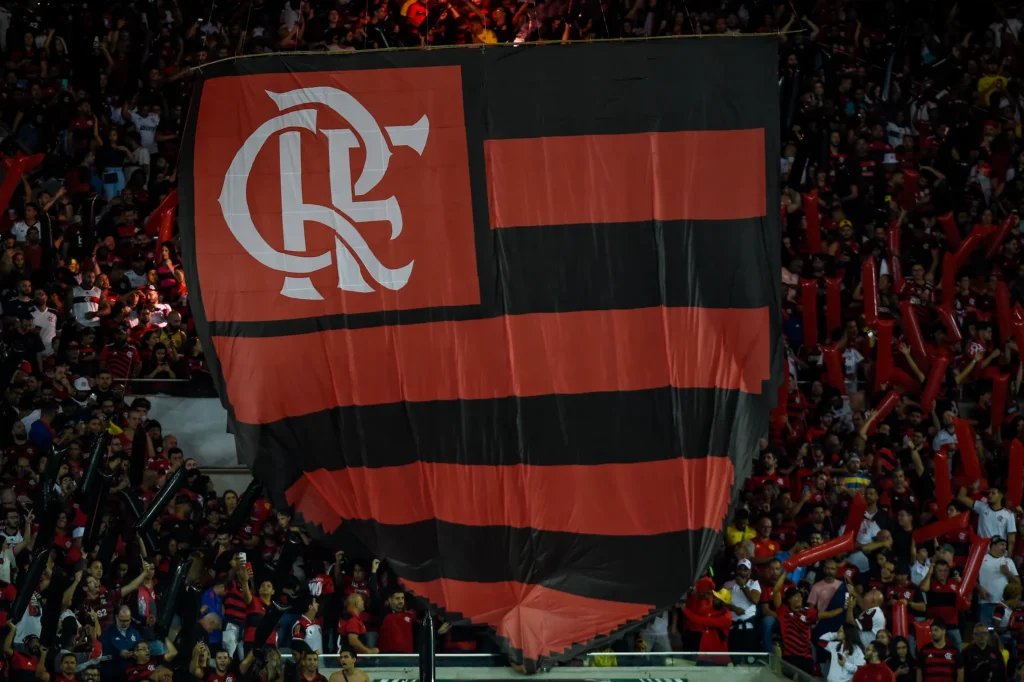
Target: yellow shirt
<point x="986" y="82"/>
<point x="735" y="537"/>
<point x="485" y="36"/>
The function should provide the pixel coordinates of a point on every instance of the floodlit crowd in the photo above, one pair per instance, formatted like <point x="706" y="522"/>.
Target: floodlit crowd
<point x="903" y="266"/>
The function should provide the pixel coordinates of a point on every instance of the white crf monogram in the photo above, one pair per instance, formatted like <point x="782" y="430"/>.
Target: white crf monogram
<point x="351" y="249"/>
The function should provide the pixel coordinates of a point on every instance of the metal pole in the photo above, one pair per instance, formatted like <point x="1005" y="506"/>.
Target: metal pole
<point x="427" y="649"/>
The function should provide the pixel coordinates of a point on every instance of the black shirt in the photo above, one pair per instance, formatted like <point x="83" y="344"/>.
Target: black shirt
<point x="983" y="665"/>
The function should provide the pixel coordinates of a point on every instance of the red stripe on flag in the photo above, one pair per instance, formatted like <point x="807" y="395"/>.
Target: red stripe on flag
<point x="518" y="355"/>
<point x="590" y="179"/>
<point x="692" y="494"/>
<point x="538" y="620"/>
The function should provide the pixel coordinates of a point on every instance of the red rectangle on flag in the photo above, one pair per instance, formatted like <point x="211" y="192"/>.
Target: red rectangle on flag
<point x="592" y="179"/>
<point x="517" y="355"/>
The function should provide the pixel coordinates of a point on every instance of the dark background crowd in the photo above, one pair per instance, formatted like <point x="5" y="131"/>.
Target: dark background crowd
<point x="897" y="117"/>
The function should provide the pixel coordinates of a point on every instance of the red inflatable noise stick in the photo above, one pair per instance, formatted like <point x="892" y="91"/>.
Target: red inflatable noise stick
<point x="935" y="376"/>
<point x="811" y="213"/>
<point x="950" y="229"/>
<point x="885" y="406"/>
<point x="948" y="319"/>
<point x="912" y="329"/>
<point x="899" y="619"/>
<point x="1015" y="483"/>
<point x="939" y="528"/>
<point x="922" y="632"/>
<point x="809" y="304"/>
<point x="841" y="545"/>
<point x="943" y="479"/>
<point x="1003" y="315"/>
<point x="834" y="368"/>
<point x="979" y="547"/>
<point x="965" y="443"/>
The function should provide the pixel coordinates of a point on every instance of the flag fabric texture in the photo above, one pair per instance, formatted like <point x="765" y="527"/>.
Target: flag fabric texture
<point x="508" y="317"/>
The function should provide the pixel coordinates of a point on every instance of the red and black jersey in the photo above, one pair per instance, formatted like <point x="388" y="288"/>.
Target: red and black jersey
<point x="942" y="600"/>
<point x="23" y="668"/>
<point x="105" y="605"/>
<point x="910" y="592"/>
<point x="939" y="665"/>
<point x="214" y="676"/>
<point x="796" y="630"/>
<point x="253" y="615"/>
<point x="234" y="605"/>
<point x="321" y="586"/>
<point x="8" y="593"/>
<point x="317" y="677"/>
<point x="922" y="294"/>
<point x="137" y="672"/>
<point x="351" y="625"/>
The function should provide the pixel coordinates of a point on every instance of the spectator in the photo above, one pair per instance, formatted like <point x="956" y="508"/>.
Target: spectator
<point x="845" y="649"/>
<point x="901" y="661"/>
<point x="119" y="642"/>
<point x="997" y="570"/>
<point x="874" y="668"/>
<point x="939" y="660"/>
<point x="795" y="622"/>
<point x="981" y="661"/>
<point x="745" y="596"/>
<point x="349" y="672"/>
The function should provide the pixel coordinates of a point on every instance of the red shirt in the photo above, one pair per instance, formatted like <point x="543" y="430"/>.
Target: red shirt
<point x="214" y="676"/>
<point x="874" y="672"/>
<point x="396" y="633"/>
<point x="796" y="630"/>
<point x="353" y="625"/>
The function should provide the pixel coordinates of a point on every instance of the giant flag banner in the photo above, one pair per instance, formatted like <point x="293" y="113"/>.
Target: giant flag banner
<point x="506" y="316"/>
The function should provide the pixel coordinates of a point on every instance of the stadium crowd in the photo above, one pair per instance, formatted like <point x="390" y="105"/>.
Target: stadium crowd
<point x="902" y="178"/>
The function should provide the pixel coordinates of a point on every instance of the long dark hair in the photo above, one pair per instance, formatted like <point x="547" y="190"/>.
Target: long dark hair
<point x="894" y="651"/>
<point x="851" y="636"/>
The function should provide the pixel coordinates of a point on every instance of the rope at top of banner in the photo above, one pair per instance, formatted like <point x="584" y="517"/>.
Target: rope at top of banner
<point x="320" y="53"/>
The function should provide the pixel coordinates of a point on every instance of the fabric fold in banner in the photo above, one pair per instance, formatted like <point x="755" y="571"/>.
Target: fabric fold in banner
<point x="471" y="312"/>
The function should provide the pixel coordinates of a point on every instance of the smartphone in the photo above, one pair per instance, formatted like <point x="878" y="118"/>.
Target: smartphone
<point x="241" y="557"/>
<point x="64" y="83"/>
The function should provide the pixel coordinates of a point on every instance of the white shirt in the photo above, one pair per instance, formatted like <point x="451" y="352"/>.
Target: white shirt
<point x="994" y="523"/>
<point x="315" y="638"/>
<point x="85" y="301"/>
<point x="841" y="673"/>
<point x="7" y="565"/>
<point x="135" y="279"/>
<point x="31" y="418"/>
<point x="46" y="320"/>
<point x="941" y="438"/>
<point x="12" y="540"/>
<point x="739" y="599"/>
<point x="876" y="618"/>
<point x="147" y="129"/>
<point x="992" y="579"/>
<point x="658" y="626"/>
<point x="918" y="571"/>
<point x="21" y="228"/>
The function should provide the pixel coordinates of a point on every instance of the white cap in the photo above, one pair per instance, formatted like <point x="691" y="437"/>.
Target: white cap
<point x="744" y="562"/>
<point x="82" y="384"/>
<point x="889" y="158"/>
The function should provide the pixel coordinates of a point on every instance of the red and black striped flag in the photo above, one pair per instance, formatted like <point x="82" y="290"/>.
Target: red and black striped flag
<point x="508" y="315"/>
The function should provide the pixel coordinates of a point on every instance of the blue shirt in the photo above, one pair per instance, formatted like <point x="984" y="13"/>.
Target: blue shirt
<point x="114" y="642"/>
<point x="213" y="604"/>
<point x="40" y="434"/>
